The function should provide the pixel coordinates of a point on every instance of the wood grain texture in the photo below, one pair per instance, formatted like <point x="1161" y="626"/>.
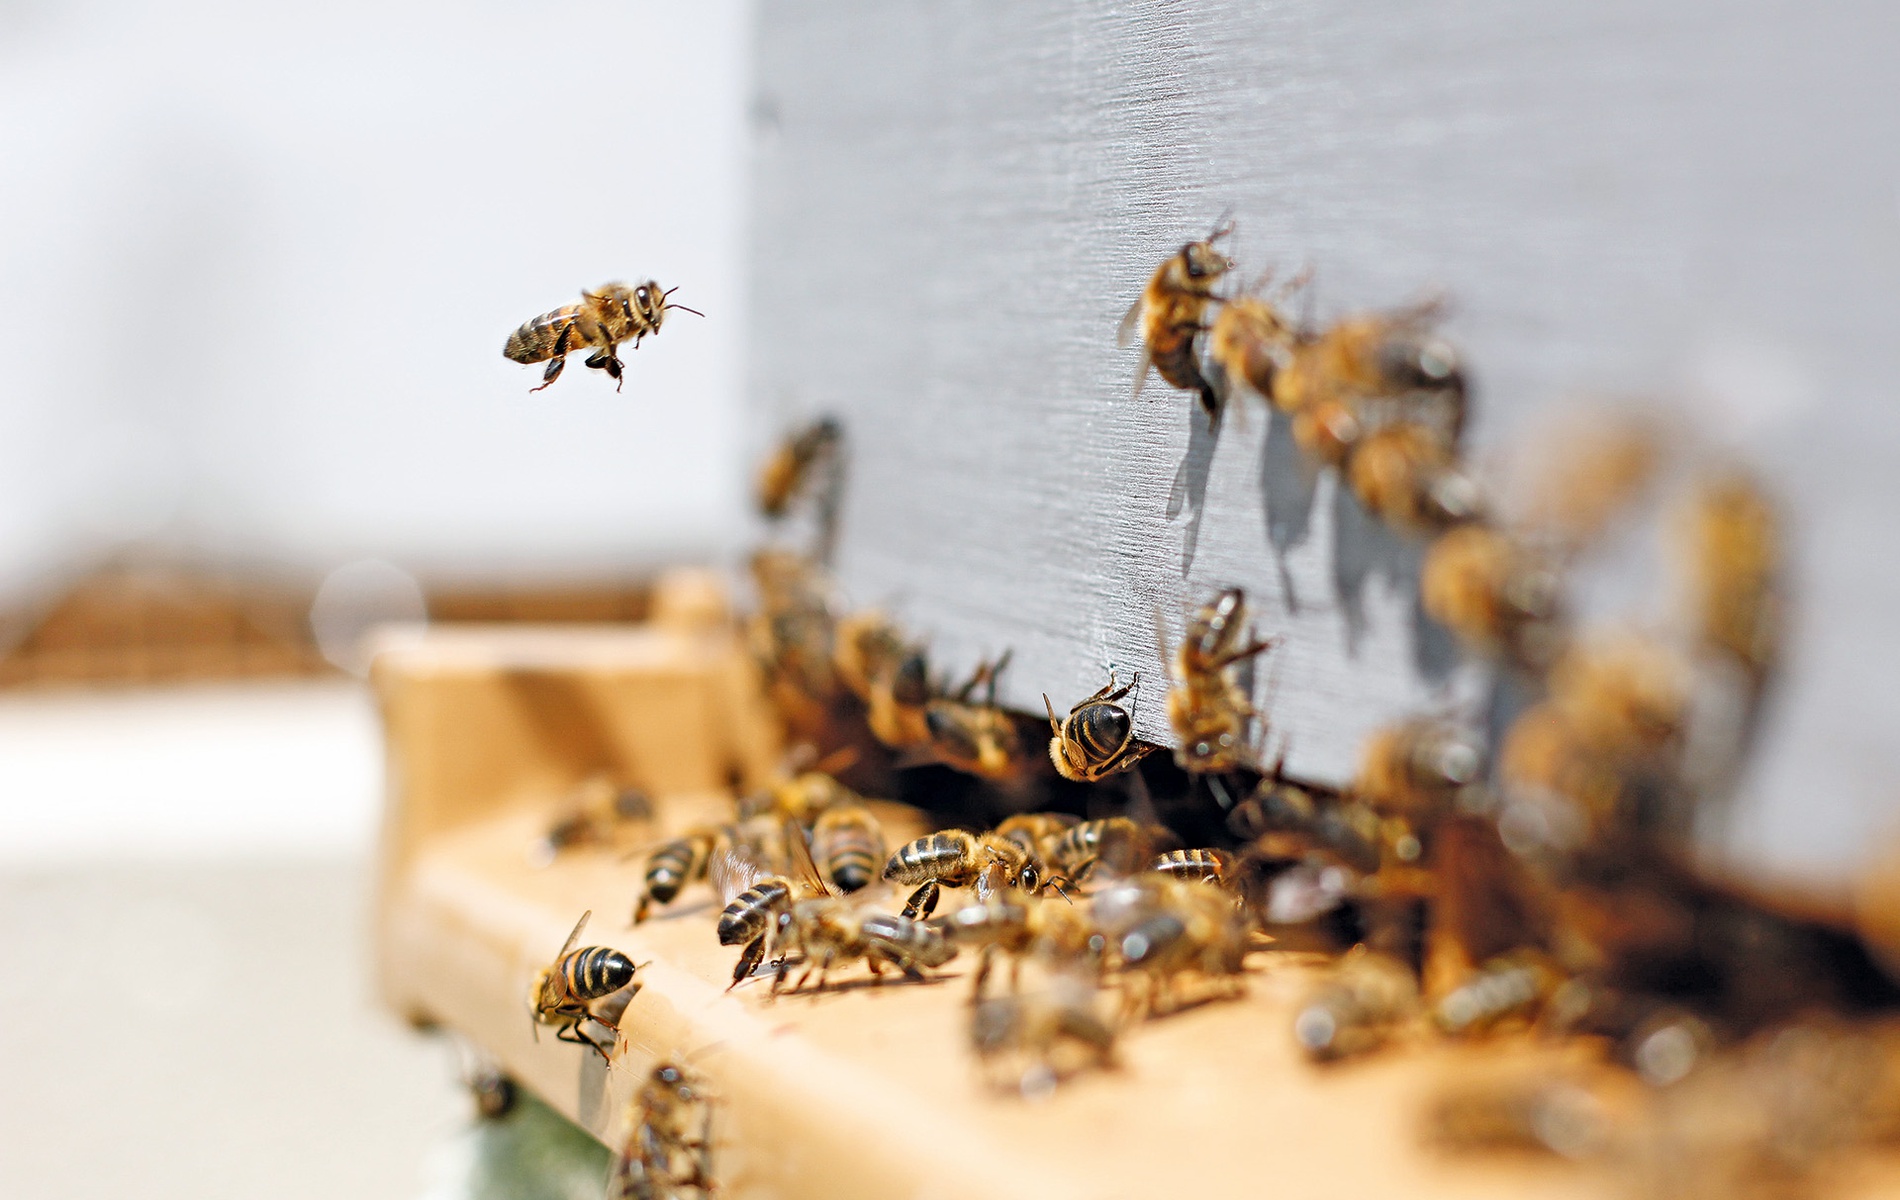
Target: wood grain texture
<point x="955" y="203"/>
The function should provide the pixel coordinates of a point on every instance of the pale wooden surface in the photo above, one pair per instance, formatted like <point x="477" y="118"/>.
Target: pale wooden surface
<point x="953" y="205"/>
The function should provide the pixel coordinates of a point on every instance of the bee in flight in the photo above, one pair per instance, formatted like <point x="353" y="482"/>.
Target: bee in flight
<point x="602" y="320"/>
<point x="1171" y="315"/>
<point x="565" y="991"/>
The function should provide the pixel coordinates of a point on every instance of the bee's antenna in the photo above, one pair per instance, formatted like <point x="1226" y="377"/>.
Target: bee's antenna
<point x="683" y="308"/>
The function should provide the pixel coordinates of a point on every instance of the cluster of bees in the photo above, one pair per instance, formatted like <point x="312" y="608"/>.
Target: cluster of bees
<point x="1524" y="873"/>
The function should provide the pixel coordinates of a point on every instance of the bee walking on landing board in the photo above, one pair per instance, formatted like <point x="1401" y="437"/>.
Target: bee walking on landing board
<point x="601" y="321"/>
<point x="565" y="991"/>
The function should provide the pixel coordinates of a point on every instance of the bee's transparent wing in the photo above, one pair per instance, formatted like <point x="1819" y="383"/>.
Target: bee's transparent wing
<point x="1161" y="643"/>
<point x="1130" y="324"/>
<point x="802" y="870"/>
<point x="733" y="869"/>
<point x="574" y="936"/>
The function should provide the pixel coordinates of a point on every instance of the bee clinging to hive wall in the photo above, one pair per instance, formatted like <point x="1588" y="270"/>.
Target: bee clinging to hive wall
<point x="1171" y="314"/>
<point x="601" y="321"/>
<point x="803" y="463"/>
<point x="1097" y="738"/>
<point x="977" y="737"/>
<point x="1208" y="708"/>
<point x="564" y="992"/>
<point x="1252" y="339"/>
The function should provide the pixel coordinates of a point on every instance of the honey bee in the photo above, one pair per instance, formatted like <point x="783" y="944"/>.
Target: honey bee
<point x="848" y="844"/>
<point x="898" y="712"/>
<point x="1378" y="366"/>
<point x="1251" y="339"/>
<point x="1165" y="930"/>
<point x="1019" y="924"/>
<point x="1207" y="706"/>
<point x="1510" y="987"/>
<point x="1357" y="1008"/>
<point x="1037" y="831"/>
<point x="954" y="858"/>
<point x="564" y="993"/>
<point x="1097" y="738"/>
<point x="590" y="816"/>
<point x="674" y="865"/>
<point x="1417" y="766"/>
<point x="1498" y="595"/>
<point x="1289" y="824"/>
<point x="755" y="898"/>
<point x="792" y="638"/>
<point x="602" y="320"/>
<point x="867" y="647"/>
<point x="799" y="462"/>
<point x="1032" y="1041"/>
<point x="976" y="737"/>
<point x="667" y="1154"/>
<point x="1730" y="539"/>
<point x="1171" y="315"/>
<point x="827" y="931"/>
<point x="1196" y="866"/>
<point x="1409" y="476"/>
<point x="1118" y="843"/>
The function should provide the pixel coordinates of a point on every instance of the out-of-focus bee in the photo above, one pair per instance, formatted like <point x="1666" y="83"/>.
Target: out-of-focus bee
<point x="590" y="816"/>
<point x="791" y="636"/>
<point x="1604" y="749"/>
<point x="898" y="707"/>
<point x="1286" y="823"/>
<point x="1115" y="844"/>
<point x="1251" y="339"/>
<point x="1196" y="866"/>
<point x="1557" y="1116"/>
<point x="755" y="897"/>
<point x="848" y="844"/>
<point x="667" y="1154"/>
<point x="1409" y="476"/>
<point x="1030" y="1042"/>
<point x="1507" y="989"/>
<point x="1374" y="362"/>
<point x="1164" y="931"/>
<point x="976" y="737"/>
<point x="802" y="461"/>
<point x="1498" y="595"/>
<point x="1207" y="706"/>
<point x="1018" y="925"/>
<point x="1417" y="767"/>
<point x="866" y="647"/>
<point x="1097" y="738"/>
<point x="954" y="858"/>
<point x="1357" y="1007"/>
<point x="564" y="992"/>
<point x="602" y="320"/>
<point x="674" y="865"/>
<point x="804" y="796"/>
<point x="1171" y="314"/>
<point x="1729" y="542"/>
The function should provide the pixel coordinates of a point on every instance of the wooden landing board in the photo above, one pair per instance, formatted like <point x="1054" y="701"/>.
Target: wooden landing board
<point x="859" y="1091"/>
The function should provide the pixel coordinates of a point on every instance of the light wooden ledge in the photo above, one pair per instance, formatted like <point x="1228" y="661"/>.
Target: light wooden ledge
<point x="859" y="1091"/>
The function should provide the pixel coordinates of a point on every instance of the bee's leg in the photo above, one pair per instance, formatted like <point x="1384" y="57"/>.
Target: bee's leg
<point x="552" y="373"/>
<point x="922" y="902"/>
<point x="559" y="359"/>
<point x="748" y="961"/>
<point x="984" y="959"/>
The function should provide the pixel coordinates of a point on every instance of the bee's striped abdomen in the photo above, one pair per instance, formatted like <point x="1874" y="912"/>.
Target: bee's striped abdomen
<point x="749" y="914"/>
<point x="674" y="865"/>
<point x="1208" y="866"/>
<point x="537" y="340"/>
<point x="849" y="847"/>
<point x="1102" y="730"/>
<point x="936" y="856"/>
<point x="595" y="971"/>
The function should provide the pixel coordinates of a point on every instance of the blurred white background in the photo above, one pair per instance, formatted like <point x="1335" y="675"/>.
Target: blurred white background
<point x="257" y="263"/>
